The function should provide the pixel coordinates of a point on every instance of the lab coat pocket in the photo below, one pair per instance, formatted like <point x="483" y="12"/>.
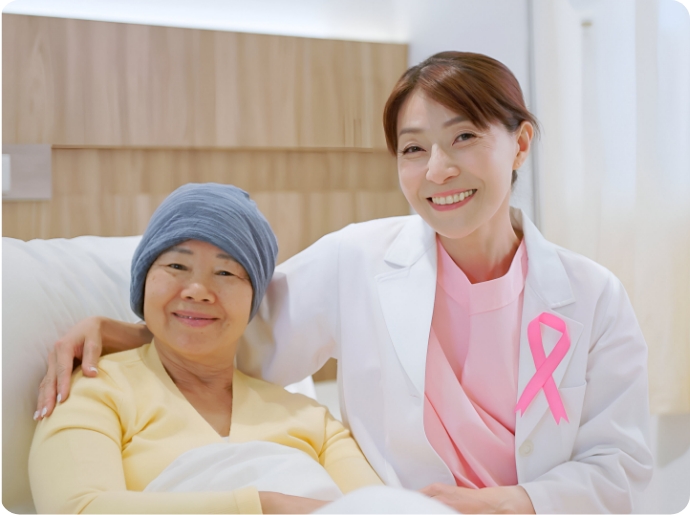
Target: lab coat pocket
<point x="573" y="398"/>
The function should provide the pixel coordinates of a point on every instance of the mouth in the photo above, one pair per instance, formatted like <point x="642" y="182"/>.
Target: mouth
<point x="194" y="319"/>
<point x="451" y="200"/>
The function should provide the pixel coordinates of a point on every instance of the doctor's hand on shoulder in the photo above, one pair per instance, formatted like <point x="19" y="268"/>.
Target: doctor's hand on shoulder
<point x="501" y="499"/>
<point x="85" y="342"/>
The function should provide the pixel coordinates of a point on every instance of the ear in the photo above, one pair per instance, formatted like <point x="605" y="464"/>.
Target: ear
<point x="524" y="136"/>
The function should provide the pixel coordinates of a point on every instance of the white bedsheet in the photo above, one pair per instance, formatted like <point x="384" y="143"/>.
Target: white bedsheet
<point x="276" y="468"/>
<point x="227" y="466"/>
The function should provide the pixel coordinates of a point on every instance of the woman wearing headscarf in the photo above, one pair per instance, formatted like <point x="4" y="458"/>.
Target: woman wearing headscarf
<point x="198" y="277"/>
<point x="477" y="361"/>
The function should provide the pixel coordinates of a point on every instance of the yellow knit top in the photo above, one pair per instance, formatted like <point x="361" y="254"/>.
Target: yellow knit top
<point x="117" y="432"/>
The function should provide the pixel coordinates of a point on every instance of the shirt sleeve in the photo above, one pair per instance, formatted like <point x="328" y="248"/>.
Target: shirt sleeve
<point x="75" y="462"/>
<point x="294" y="331"/>
<point x="343" y="459"/>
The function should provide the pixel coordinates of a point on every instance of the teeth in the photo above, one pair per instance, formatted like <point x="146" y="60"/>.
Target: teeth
<point x="452" y="199"/>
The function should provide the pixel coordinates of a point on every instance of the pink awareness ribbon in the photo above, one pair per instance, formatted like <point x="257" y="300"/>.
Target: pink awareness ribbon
<point x="543" y="377"/>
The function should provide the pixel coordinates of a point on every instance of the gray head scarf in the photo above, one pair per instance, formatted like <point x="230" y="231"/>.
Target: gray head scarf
<point x="219" y="214"/>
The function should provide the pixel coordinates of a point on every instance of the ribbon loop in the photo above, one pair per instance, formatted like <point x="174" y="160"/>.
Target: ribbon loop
<point x="543" y="377"/>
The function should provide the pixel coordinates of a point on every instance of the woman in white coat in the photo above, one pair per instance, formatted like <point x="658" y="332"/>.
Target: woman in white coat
<point x="477" y="362"/>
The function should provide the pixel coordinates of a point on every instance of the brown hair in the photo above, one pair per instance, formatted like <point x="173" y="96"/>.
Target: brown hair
<point x="473" y="85"/>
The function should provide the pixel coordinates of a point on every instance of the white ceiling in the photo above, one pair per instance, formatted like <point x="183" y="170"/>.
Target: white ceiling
<point x="363" y="20"/>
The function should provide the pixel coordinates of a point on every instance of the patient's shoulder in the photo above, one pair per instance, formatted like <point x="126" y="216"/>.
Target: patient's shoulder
<point x="122" y="363"/>
<point x="125" y="357"/>
<point x="273" y="393"/>
<point x="114" y="370"/>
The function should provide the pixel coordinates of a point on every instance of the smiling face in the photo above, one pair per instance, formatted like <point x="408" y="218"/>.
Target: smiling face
<point x="455" y="175"/>
<point x="197" y="300"/>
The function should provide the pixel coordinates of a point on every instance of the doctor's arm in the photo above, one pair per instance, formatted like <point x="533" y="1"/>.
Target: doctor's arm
<point x="294" y="332"/>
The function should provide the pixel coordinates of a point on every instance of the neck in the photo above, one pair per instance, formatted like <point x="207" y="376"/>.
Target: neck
<point x="211" y="373"/>
<point x="488" y="252"/>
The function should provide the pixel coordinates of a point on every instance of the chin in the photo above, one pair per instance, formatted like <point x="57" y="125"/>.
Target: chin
<point x="454" y="228"/>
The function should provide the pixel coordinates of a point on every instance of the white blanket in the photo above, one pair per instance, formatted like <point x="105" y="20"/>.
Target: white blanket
<point x="267" y="466"/>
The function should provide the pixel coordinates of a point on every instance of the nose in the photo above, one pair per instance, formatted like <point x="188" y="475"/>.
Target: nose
<point x="197" y="291"/>
<point x="440" y="167"/>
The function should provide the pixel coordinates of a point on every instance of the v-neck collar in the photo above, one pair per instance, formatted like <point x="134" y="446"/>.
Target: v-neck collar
<point x="151" y="359"/>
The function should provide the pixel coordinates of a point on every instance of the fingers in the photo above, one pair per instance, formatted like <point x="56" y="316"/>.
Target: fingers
<point x="47" y="390"/>
<point x="435" y="489"/>
<point x="448" y="495"/>
<point x="55" y="386"/>
<point x="93" y="349"/>
<point x="83" y="342"/>
<point x="64" y="363"/>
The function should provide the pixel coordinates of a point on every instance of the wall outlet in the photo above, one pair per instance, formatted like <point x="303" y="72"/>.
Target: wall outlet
<point x="6" y="184"/>
<point x="30" y="177"/>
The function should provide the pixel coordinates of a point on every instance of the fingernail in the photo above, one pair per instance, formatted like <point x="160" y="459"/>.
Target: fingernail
<point x="35" y="414"/>
<point x="59" y="398"/>
<point x="94" y="370"/>
<point x="43" y="412"/>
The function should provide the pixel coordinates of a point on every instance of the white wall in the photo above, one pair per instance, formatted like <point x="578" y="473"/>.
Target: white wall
<point x="669" y="490"/>
<point x="352" y="19"/>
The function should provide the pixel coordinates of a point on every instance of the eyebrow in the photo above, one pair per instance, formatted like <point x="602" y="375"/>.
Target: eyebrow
<point x="415" y="130"/>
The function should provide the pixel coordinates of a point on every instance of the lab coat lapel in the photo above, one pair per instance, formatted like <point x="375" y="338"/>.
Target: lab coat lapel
<point x="407" y="294"/>
<point x="408" y="290"/>
<point x="547" y="289"/>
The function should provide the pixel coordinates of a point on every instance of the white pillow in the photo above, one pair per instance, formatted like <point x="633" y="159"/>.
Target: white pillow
<point x="47" y="287"/>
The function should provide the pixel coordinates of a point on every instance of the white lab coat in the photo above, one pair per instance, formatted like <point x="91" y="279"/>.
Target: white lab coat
<point x="365" y="295"/>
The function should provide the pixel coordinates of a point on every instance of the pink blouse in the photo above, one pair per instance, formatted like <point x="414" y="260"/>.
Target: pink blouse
<point x="471" y="372"/>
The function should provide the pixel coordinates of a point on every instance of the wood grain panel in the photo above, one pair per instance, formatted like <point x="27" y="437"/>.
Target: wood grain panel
<point x="304" y="195"/>
<point x="78" y="82"/>
<point x="328" y="372"/>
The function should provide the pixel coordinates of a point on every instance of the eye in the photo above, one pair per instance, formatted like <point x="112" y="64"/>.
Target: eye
<point x="177" y="266"/>
<point x="465" y="136"/>
<point x="411" y="149"/>
<point x="225" y="273"/>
